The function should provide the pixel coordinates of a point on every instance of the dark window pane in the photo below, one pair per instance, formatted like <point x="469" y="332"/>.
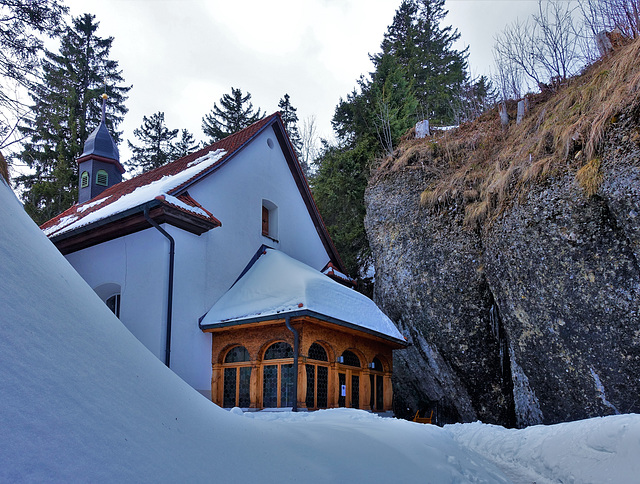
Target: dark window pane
<point x="317" y="352"/>
<point x="229" y="385"/>
<point x="355" y="391"/>
<point x="372" y="396"/>
<point x="278" y="351"/>
<point x="342" y="390"/>
<point x="350" y="359"/>
<point x="113" y="303"/>
<point x="237" y="354"/>
<point x="265" y="221"/>
<point x="245" y="387"/>
<point x="379" y="393"/>
<point x="377" y="364"/>
<point x="270" y="386"/>
<point x="311" y="391"/>
<point x="286" y="386"/>
<point x="323" y="386"/>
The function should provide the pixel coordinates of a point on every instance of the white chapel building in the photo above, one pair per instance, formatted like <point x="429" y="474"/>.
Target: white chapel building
<point x="220" y="264"/>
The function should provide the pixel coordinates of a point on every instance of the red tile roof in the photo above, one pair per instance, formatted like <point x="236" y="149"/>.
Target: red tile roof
<point x="230" y="145"/>
<point x="55" y="228"/>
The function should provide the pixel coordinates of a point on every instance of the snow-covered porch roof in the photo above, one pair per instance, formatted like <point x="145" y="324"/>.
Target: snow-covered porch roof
<point x="276" y="285"/>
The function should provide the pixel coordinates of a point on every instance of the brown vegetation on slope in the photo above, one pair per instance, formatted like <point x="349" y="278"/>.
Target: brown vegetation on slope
<point x="485" y="166"/>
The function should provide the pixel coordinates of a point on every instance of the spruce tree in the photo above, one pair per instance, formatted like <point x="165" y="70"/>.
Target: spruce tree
<point x="67" y="107"/>
<point x="21" y="26"/>
<point x="290" y="121"/>
<point x="416" y="70"/>
<point x="156" y="148"/>
<point x="425" y="48"/>
<point x="186" y="145"/>
<point x="234" y="114"/>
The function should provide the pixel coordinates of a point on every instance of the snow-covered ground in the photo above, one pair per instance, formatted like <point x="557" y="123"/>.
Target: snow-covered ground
<point x="81" y="400"/>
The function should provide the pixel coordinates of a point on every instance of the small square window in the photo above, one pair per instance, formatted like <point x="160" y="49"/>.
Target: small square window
<point x="269" y="220"/>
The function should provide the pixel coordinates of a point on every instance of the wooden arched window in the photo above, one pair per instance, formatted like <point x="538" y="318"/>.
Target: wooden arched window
<point x="277" y="376"/>
<point x="349" y="380"/>
<point x="237" y="378"/>
<point x="376" y="380"/>
<point x="84" y="179"/>
<point x="317" y="377"/>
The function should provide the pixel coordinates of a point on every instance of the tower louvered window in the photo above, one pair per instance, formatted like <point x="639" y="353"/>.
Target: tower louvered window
<point x="84" y="179"/>
<point x="102" y="178"/>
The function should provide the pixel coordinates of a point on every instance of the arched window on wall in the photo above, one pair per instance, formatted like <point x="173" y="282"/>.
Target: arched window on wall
<point x="317" y="377"/>
<point x="349" y="380"/>
<point x="110" y="294"/>
<point x="277" y="376"/>
<point x="237" y="378"/>
<point x="376" y="377"/>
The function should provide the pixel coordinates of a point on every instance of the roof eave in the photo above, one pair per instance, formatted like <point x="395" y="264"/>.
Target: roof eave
<point x="300" y="313"/>
<point x="113" y="227"/>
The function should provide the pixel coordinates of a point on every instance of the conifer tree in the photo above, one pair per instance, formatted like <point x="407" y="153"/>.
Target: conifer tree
<point x="425" y="48"/>
<point x="21" y="24"/>
<point x="290" y="121"/>
<point x="66" y="109"/>
<point x="234" y="114"/>
<point x="416" y="70"/>
<point x="156" y="148"/>
<point x="186" y="145"/>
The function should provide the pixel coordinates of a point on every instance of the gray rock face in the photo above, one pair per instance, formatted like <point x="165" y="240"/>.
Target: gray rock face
<point x="534" y="319"/>
<point x="430" y="280"/>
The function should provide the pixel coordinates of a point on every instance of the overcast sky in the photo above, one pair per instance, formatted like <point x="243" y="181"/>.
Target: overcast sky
<point x="181" y="56"/>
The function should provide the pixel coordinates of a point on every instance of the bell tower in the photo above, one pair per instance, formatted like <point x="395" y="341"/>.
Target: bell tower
<point x="99" y="164"/>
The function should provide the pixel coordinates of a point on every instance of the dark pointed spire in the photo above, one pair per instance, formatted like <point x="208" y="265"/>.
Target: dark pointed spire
<point x="100" y="143"/>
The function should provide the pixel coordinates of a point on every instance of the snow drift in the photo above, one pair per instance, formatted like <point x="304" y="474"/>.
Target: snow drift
<point x="81" y="400"/>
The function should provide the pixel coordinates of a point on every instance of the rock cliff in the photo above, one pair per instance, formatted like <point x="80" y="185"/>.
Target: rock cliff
<point x="528" y="313"/>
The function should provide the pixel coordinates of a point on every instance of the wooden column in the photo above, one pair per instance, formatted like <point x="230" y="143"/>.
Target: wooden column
<point x="388" y="392"/>
<point x="365" y="390"/>
<point x="302" y="383"/>
<point x="332" y="383"/>
<point x="255" y="392"/>
<point x="216" y="385"/>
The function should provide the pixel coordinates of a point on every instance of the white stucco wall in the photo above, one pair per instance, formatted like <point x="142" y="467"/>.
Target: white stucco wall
<point x="137" y="263"/>
<point x="234" y="194"/>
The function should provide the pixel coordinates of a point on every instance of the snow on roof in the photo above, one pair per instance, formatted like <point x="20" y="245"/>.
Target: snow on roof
<point x="168" y="179"/>
<point x="137" y="197"/>
<point x="277" y="284"/>
<point x="330" y="270"/>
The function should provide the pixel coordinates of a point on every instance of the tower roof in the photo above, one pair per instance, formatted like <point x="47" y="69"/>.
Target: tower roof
<point x="100" y="143"/>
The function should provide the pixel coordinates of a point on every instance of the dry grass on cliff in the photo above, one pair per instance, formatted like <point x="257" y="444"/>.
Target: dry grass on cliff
<point x="485" y="167"/>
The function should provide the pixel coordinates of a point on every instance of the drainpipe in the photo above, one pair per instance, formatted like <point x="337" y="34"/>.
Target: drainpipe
<point x="296" y="345"/>
<point x="172" y="246"/>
